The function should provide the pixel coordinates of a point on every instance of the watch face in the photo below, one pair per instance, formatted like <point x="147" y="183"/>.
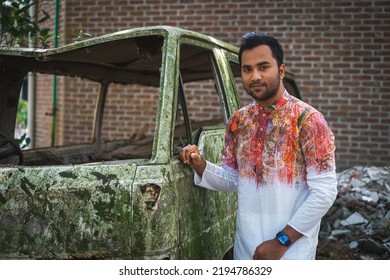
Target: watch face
<point x="283" y="238"/>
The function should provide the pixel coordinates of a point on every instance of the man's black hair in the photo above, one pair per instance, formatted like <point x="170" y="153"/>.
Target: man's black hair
<point x="254" y="39"/>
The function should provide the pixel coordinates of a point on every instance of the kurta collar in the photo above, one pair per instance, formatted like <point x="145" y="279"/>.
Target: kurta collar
<point x="278" y="103"/>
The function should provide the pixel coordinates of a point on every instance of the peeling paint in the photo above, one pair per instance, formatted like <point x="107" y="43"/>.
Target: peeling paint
<point x="150" y="193"/>
<point x="67" y="174"/>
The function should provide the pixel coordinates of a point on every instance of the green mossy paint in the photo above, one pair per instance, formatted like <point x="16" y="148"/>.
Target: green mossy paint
<point x="102" y="210"/>
<point x="68" y="174"/>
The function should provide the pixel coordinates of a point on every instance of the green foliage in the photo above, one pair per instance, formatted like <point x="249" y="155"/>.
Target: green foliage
<point x="18" y="25"/>
<point x="44" y="37"/>
<point x="23" y="141"/>
<point x="21" y="117"/>
<point x="81" y="35"/>
<point x="21" y="121"/>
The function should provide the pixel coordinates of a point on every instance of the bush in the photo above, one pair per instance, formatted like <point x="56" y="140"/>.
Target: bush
<point x="21" y="117"/>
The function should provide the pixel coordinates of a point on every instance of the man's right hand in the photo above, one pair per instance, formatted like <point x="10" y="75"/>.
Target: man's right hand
<point x="190" y="155"/>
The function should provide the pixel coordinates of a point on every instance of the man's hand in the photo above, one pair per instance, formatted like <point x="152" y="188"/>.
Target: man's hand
<point x="272" y="249"/>
<point x="269" y="250"/>
<point x="190" y="155"/>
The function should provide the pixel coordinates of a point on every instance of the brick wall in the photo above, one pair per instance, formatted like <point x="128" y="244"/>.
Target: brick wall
<point x="339" y="51"/>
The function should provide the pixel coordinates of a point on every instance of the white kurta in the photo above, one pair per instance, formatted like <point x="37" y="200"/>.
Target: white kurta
<point x="301" y="208"/>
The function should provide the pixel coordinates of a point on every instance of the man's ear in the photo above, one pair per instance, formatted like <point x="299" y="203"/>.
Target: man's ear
<point x="282" y="68"/>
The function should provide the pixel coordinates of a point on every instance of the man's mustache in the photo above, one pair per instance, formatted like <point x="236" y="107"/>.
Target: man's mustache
<point x="257" y="84"/>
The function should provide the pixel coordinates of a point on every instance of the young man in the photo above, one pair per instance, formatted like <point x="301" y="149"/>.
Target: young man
<point x="279" y="157"/>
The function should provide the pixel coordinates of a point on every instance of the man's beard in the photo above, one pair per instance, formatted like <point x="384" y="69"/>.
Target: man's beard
<point x="268" y="94"/>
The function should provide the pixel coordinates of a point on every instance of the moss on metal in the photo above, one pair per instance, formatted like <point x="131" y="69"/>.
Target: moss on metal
<point x="45" y="214"/>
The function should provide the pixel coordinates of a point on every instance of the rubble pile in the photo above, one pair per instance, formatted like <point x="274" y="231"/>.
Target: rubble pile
<point x="357" y="226"/>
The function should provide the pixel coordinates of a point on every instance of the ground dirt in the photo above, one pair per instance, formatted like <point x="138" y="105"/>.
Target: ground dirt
<point x="335" y="250"/>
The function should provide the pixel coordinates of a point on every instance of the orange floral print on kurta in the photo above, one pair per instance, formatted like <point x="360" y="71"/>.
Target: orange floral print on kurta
<point x="278" y="142"/>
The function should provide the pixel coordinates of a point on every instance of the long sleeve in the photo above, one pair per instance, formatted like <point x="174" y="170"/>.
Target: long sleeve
<point x="218" y="178"/>
<point x="317" y="142"/>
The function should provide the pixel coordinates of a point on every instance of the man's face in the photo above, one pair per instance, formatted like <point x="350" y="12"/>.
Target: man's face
<point x="261" y="77"/>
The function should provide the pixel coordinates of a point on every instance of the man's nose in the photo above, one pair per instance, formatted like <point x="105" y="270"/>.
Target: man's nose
<point x="256" y="75"/>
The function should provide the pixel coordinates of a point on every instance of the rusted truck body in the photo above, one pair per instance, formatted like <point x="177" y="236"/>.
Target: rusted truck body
<point x="129" y="197"/>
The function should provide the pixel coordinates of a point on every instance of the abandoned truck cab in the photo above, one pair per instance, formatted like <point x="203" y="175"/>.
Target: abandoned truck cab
<point x="113" y="187"/>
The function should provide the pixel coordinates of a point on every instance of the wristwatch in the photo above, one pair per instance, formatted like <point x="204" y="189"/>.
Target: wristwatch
<point x="283" y="238"/>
